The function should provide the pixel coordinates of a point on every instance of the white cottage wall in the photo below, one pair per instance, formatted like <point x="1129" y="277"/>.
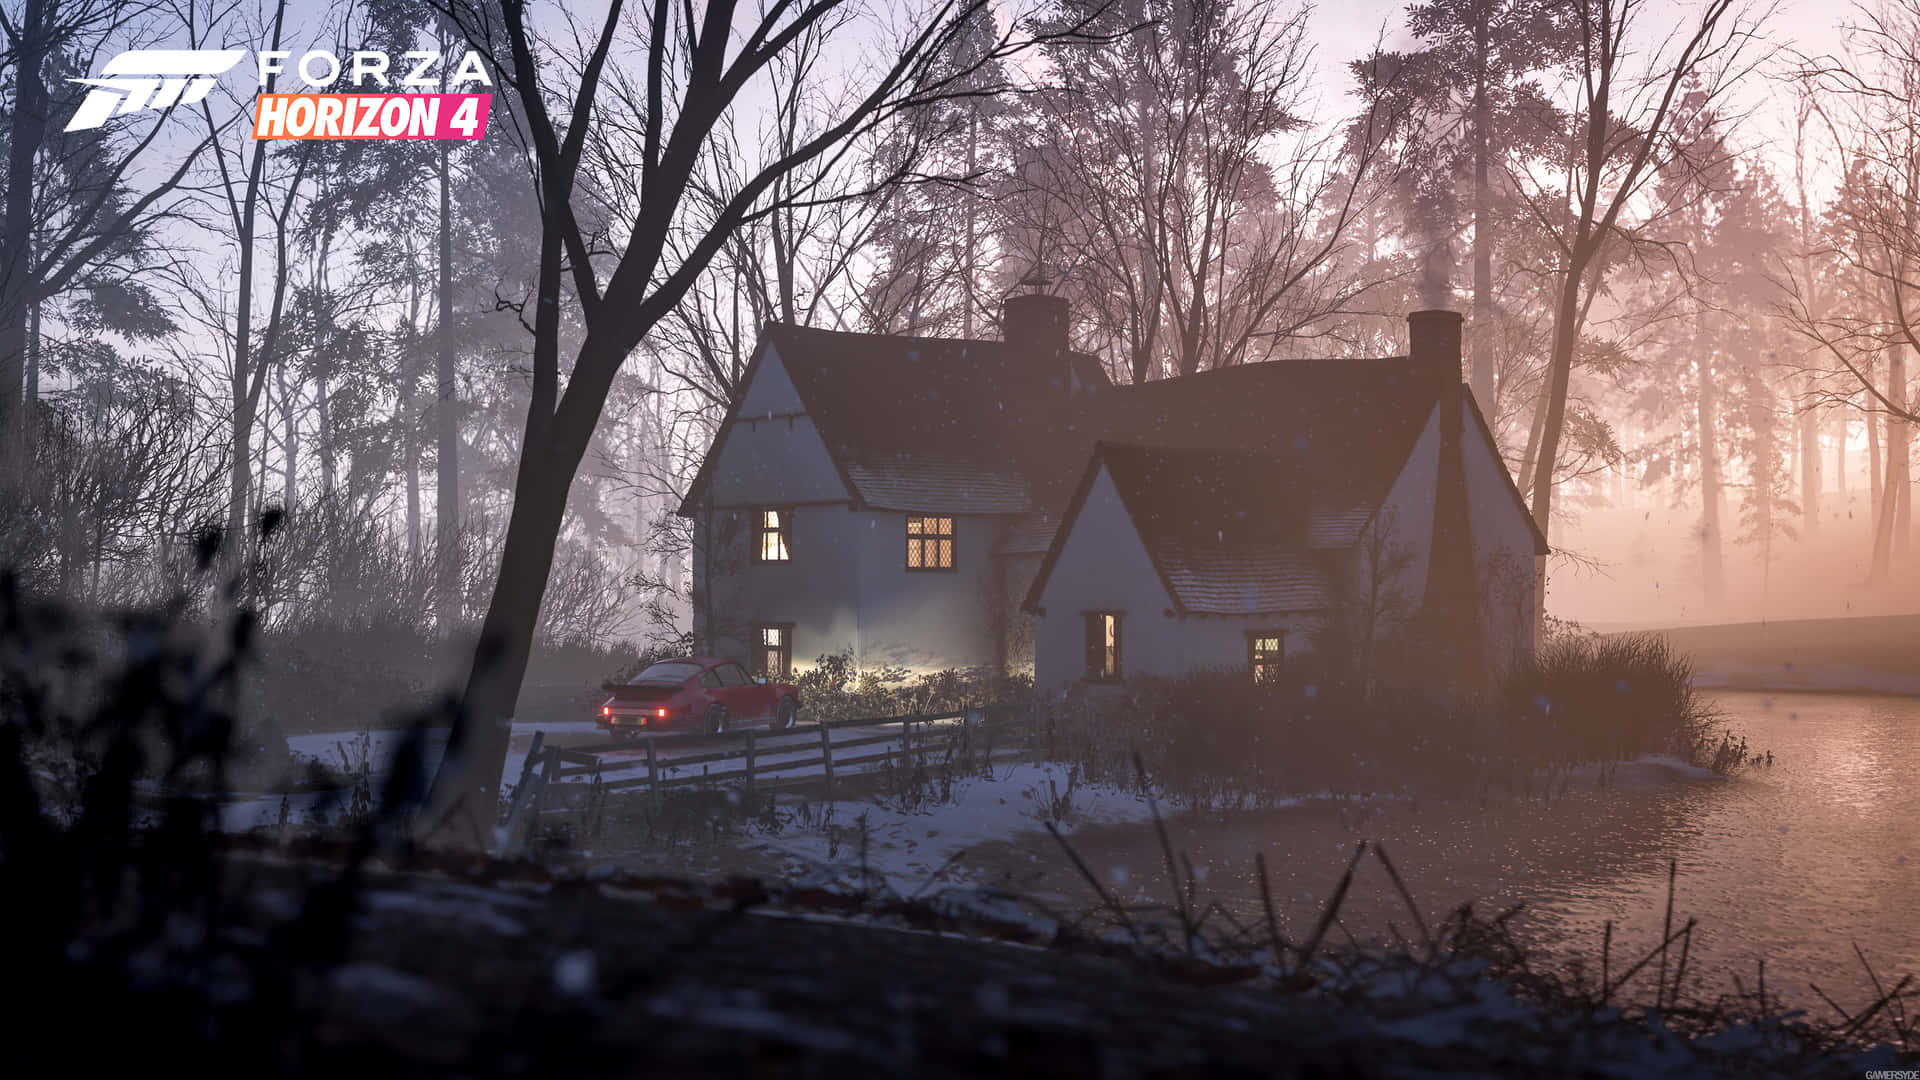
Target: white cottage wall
<point x="1404" y="521"/>
<point x="773" y="456"/>
<point x="1103" y="566"/>
<point x="1503" y="550"/>
<point x="925" y="620"/>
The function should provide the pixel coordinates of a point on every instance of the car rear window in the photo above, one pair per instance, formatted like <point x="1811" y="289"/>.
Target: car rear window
<point x="666" y="673"/>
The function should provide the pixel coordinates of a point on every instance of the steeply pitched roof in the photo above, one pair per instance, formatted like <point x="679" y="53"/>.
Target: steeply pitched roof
<point x="928" y="424"/>
<point x="1225" y="530"/>
<point x="946" y="425"/>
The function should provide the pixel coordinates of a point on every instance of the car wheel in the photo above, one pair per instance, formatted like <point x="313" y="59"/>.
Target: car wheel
<point x="717" y="720"/>
<point x="784" y="714"/>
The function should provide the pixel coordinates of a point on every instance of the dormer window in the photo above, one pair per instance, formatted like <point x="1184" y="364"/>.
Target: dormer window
<point x="776" y="536"/>
<point x="929" y="542"/>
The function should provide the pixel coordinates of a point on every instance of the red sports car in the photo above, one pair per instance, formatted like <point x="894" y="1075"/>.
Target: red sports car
<point x="706" y="693"/>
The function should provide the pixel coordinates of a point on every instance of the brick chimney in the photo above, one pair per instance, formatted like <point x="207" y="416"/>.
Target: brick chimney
<point x="1451" y="607"/>
<point x="1434" y="337"/>
<point x="1036" y="324"/>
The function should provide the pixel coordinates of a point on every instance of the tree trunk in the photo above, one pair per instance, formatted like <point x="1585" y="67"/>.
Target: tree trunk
<point x="968" y="257"/>
<point x="447" y="423"/>
<point x="1480" y="339"/>
<point x="1889" y="540"/>
<point x="1566" y="332"/>
<point x="1810" y="478"/>
<point x="289" y="443"/>
<point x="467" y="790"/>
<point x="29" y="126"/>
<point x="323" y="433"/>
<point x="1706" y="432"/>
<point x="1840" y="453"/>
<point x="33" y="373"/>
<point x="1874" y="486"/>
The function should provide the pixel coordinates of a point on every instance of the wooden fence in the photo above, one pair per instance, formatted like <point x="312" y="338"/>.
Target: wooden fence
<point x="744" y="763"/>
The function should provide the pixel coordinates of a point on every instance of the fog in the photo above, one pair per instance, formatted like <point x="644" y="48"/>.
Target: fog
<point x="1095" y="475"/>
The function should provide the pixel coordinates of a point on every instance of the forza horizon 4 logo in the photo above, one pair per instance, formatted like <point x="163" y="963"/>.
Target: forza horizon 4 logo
<point x="147" y="80"/>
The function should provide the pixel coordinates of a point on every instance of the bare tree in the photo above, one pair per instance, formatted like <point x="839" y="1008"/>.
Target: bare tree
<point x="1175" y="184"/>
<point x="44" y="249"/>
<point x="1628" y="97"/>
<point x="695" y="67"/>
<point x="1871" y="94"/>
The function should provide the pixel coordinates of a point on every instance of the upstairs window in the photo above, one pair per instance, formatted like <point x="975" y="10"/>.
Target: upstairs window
<point x="776" y="536"/>
<point x="1103" y="646"/>
<point x="1266" y="652"/>
<point x="773" y="650"/>
<point x="929" y="542"/>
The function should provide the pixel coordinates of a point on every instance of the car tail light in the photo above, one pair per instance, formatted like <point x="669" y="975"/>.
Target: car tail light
<point x="606" y="710"/>
<point x="663" y="712"/>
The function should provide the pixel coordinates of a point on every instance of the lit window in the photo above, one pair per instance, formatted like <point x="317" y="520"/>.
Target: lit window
<point x="776" y="535"/>
<point x="929" y="542"/>
<point x="1103" y="646"/>
<point x="773" y="650"/>
<point x="1266" y="651"/>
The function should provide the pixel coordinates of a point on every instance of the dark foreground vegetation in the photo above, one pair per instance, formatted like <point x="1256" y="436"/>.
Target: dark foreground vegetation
<point x="309" y="952"/>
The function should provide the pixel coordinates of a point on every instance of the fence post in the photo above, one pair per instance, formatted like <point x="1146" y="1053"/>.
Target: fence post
<point x="549" y="765"/>
<point x="749" y="762"/>
<point x="520" y="794"/>
<point x="826" y="757"/>
<point x="653" y="778"/>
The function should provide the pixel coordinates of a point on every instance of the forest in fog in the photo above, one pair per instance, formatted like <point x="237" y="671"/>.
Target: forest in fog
<point x="1687" y="249"/>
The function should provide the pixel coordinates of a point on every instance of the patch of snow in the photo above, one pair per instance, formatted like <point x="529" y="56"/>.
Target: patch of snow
<point x="743" y="1011"/>
<point x="376" y="989"/>
<point x="1671" y="764"/>
<point x="576" y="973"/>
<point x="464" y="908"/>
<point x="906" y="848"/>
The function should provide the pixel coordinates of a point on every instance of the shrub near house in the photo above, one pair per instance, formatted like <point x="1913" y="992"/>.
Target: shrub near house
<point x="1222" y="739"/>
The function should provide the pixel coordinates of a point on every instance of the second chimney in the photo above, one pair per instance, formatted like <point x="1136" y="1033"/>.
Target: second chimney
<point x="1035" y="321"/>
<point x="1433" y="337"/>
<point x="1034" y="325"/>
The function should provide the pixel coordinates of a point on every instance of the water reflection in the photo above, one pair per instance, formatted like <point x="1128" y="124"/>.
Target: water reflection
<point x="1792" y="863"/>
<point x="1795" y="863"/>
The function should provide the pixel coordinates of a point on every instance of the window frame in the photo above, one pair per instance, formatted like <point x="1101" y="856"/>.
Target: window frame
<point x="758" y="654"/>
<point x="1277" y="659"/>
<point x="1116" y="652"/>
<point x="783" y="530"/>
<point x="951" y="536"/>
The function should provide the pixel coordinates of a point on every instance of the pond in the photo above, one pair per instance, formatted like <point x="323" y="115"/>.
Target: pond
<point x="1793" y="863"/>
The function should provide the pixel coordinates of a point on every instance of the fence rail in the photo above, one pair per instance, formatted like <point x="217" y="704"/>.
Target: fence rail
<point x="643" y="766"/>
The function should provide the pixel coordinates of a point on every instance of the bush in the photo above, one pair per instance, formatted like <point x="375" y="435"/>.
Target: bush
<point x="1587" y="698"/>
<point x="837" y="689"/>
<point x="1216" y="739"/>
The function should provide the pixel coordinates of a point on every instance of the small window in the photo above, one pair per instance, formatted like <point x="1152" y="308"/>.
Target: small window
<point x="1103" y="646"/>
<point x="929" y="542"/>
<point x="711" y="680"/>
<point x="1266" y="652"/>
<point x="776" y="536"/>
<point x="773" y="650"/>
<point x="732" y="675"/>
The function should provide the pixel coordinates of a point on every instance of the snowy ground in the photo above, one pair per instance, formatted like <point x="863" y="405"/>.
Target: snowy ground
<point x="905" y="848"/>
<point x="341" y="752"/>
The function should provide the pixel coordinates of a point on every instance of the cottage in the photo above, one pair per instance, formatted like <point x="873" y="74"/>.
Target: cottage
<point x="931" y="503"/>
